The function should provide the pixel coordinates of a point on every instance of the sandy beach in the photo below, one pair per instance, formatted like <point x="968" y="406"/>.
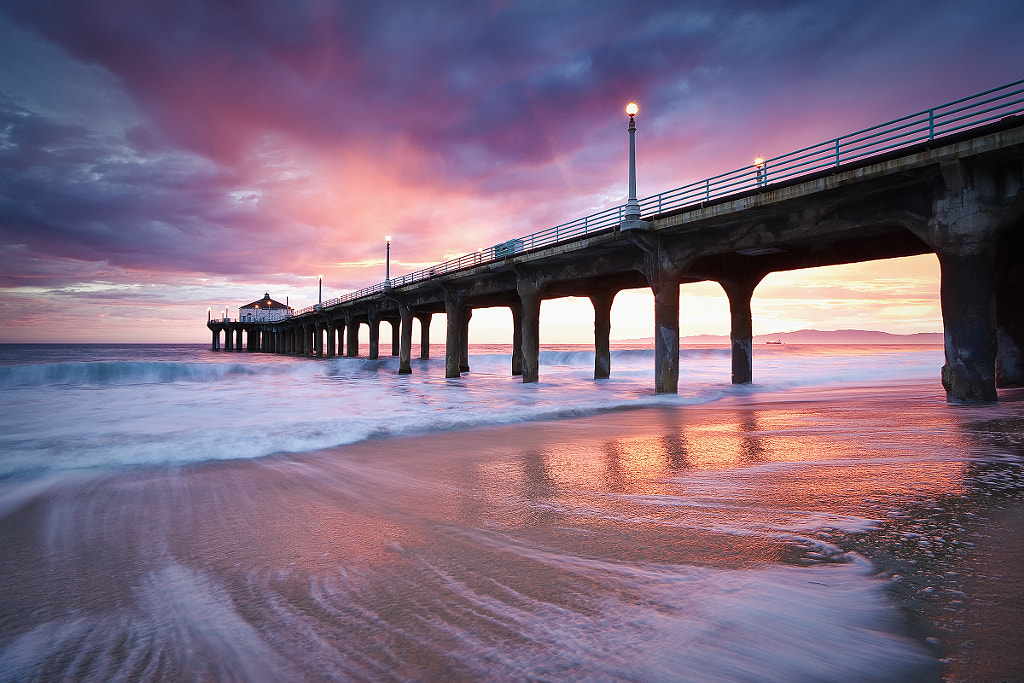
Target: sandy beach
<point x="566" y="549"/>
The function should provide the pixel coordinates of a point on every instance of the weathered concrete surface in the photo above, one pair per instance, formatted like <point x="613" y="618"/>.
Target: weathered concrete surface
<point x="977" y="204"/>
<point x="453" y="308"/>
<point x="424" y="319"/>
<point x="1009" y="282"/>
<point x="968" y="315"/>
<point x="602" y="302"/>
<point x="405" y="344"/>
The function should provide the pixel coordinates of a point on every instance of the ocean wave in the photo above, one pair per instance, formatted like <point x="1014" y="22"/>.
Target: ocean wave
<point x="117" y="373"/>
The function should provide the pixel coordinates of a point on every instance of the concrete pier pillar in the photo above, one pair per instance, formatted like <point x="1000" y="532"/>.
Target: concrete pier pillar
<point x="307" y="340"/>
<point x="341" y="327"/>
<point x="453" y="308"/>
<point x="969" y="222"/>
<point x="467" y="314"/>
<point x="602" y="301"/>
<point x="318" y="339"/>
<point x="405" y="343"/>
<point x="740" y="290"/>
<point x="967" y="294"/>
<point x="331" y="348"/>
<point x="396" y="336"/>
<point x="215" y="346"/>
<point x="1009" y="284"/>
<point x="530" y="299"/>
<point x="424" y="319"/>
<point x="666" y="335"/>
<point x="374" y="337"/>
<point x="238" y="339"/>
<point x="229" y="339"/>
<point x="352" y="338"/>
<point x="517" y="338"/>
<point x="662" y="270"/>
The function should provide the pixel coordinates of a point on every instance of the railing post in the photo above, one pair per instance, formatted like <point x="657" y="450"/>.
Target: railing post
<point x="931" y="124"/>
<point x="707" y="190"/>
<point x="837" y="152"/>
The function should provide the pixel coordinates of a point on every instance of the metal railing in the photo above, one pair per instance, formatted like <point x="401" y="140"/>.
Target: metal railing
<point x="952" y="117"/>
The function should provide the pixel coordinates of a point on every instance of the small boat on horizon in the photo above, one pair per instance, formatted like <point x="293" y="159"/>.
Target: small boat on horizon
<point x="775" y="341"/>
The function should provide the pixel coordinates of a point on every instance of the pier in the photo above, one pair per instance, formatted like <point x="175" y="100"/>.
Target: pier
<point x="948" y="181"/>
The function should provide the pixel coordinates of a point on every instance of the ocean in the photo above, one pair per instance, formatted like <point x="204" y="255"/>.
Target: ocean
<point x="168" y="512"/>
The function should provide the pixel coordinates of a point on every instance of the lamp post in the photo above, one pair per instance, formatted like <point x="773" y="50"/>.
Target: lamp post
<point x="387" y="262"/>
<point x="759" y="165"/>
<point x="632" y="205"/>
<point x="320" y="294"/>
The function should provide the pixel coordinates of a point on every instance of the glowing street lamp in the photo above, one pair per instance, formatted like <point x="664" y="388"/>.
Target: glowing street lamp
<point x="387" y="262"/>
<point x="320" y="295"/>
<point x="632" y="205"/>
<point x="759" y="165"/>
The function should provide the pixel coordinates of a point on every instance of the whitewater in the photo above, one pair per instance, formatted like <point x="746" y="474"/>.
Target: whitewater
<point x="168" y="512"/>
<point x="70" y="407"/>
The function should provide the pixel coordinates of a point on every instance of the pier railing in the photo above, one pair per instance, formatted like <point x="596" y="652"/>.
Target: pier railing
<point x="952" y="117"/>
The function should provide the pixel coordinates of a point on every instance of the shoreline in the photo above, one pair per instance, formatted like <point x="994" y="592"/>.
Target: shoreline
<point x="796" y="479"/>
<point x="967" y="609"/>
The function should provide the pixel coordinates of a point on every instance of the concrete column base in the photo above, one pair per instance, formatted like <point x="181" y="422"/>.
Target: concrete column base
<point x="602" y="302"/>
<point x="517" y="339"/>
<point x="967" y="293"/>
<point x="530" y="299"/>
<point x="424" y="319"/>
<point x="467" y="314"/>
<point x="666" y="336"/>
<point x="405" y="340"/>
<point x="1009" y="284"/>
<point x="740" y="288"/>
<point x="374" y="338"/>
<point x="352" y="339"/>
<point x="453" y="340"/>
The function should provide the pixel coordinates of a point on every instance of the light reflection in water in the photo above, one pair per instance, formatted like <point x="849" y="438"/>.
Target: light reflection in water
<point x="586" y="546"/>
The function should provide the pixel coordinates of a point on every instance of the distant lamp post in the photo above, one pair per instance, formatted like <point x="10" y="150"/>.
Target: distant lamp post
<point x="759" y="165"/>
<point x="387" y="261"/>
<point x="632" y="205"/>
<point x="320" y="293"/>
<point x="209" y="314"/>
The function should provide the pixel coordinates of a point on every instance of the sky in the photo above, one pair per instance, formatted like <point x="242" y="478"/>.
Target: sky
<point x="165" y="157"/>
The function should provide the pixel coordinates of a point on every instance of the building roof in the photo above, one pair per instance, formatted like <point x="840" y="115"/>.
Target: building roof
<point x="265" y="303"/>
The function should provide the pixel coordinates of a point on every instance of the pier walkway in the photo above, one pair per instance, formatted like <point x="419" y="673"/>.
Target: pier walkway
<point x="948" y="181"/>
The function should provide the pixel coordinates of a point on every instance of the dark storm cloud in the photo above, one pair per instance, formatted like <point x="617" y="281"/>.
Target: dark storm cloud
<point x="69" y="194"/>
<point x="217" y="75"/>
<point x="243" y="137"/>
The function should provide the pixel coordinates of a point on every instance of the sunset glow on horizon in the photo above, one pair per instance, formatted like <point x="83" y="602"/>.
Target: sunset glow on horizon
<point x="159" y="161"/>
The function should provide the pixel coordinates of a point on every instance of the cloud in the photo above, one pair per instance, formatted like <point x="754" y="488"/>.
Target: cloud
<point x="264" y="139"/>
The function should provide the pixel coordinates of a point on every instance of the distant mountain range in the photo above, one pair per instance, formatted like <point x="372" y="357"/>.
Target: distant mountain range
<point x="820" y="337"/>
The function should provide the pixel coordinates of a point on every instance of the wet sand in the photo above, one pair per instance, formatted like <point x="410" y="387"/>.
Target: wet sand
<point x="218" y="569"/>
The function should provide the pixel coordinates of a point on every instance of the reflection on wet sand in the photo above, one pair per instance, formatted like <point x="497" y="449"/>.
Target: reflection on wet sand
<point x="723" y="541"/>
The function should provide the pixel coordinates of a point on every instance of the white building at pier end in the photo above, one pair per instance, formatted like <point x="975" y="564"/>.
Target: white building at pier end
<point x="264" y="310"/>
